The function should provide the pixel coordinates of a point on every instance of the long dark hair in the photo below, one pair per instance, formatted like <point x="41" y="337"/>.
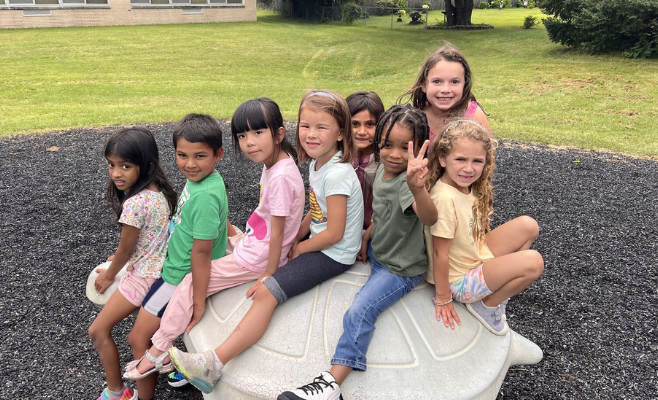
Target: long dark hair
<point x="137" y="146"/>
<point x="261" y="113"/>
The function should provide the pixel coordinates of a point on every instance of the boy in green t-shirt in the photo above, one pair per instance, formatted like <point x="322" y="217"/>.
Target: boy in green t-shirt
<point x="198" y="232"/>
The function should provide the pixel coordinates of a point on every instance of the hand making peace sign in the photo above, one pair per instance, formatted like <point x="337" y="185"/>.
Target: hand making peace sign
<point x="417" y="166"/>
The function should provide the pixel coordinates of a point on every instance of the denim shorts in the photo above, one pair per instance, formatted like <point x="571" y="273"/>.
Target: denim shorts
<point x="382" y="290"/>
<point x="471" y="287"/>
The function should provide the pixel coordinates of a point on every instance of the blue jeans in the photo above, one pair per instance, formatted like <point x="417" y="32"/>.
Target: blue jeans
<point x="381" y="291"/>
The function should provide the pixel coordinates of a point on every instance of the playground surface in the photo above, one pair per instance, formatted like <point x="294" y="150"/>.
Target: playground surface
<point x="592" y="312"/>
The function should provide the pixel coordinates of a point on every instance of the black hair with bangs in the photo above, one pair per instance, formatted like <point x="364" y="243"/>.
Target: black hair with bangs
<point x="256" y="114"/>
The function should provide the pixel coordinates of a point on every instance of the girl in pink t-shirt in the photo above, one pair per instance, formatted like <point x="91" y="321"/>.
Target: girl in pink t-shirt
<point x="257" y="127"/>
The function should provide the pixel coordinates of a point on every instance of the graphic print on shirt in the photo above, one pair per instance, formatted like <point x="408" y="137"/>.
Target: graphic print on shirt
<point x="175" y="220"/>
<point x="316" y="211"/>
<point x="473" y="226"/>
<point x="256" y="226"/>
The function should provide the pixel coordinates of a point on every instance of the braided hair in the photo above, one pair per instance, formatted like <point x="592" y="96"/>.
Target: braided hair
<point x="412" y="118"/>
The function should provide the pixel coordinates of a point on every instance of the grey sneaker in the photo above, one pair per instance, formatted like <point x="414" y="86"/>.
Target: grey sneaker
<point x="197" y="368"/>
<point x="491" y="317"/>
<point x="323" y="387"/>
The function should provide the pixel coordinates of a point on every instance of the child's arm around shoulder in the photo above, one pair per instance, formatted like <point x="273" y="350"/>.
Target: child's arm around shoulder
<point x="416" y="174"/>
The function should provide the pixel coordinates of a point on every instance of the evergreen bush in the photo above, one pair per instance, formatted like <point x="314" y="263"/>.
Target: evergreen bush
<point x="601" y="26"/>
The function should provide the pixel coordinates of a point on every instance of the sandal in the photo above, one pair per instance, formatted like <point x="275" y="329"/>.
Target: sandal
<point x="132" y="364"/>
<point x="133" y="374"/>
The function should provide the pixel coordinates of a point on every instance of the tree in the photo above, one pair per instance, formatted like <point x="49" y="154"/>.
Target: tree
<point x="459" y="13"/>
<point x="600" y="26"/>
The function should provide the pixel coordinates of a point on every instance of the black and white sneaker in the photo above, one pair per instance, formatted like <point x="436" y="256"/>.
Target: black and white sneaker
<point x="323" y="387"/>
<point x="174" y="379"/>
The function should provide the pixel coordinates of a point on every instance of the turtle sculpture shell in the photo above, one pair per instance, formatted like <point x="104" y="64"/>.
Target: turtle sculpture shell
<point x="411" y="356"/>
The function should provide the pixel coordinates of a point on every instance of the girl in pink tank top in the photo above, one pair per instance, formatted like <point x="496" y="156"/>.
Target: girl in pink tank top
<point x="443" y="91"/>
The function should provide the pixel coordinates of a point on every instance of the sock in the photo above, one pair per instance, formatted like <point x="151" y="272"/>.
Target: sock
<point x="114" y="395"/>
<point x="218" y="364"/>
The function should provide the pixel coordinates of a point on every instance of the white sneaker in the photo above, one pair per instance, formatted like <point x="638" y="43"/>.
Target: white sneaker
<point x="323" y="387"/>
<point x="197" y="368"/>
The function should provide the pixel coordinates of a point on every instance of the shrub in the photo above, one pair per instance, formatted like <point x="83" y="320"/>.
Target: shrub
<point x="496" y="3"/>
<point x="529" y="22"/>
<point x="484" y="6"/>
<point x="402" y="4"/>
<point x="629" y="26"/>
<point x="386" y="7"/>
<point x="351" y="12"/>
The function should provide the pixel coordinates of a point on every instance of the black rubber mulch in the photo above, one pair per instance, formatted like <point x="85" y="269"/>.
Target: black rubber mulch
<point x="592" y="312"/>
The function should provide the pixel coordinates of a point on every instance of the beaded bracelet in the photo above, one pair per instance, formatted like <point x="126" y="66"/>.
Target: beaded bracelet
<point x="438" y="303"/>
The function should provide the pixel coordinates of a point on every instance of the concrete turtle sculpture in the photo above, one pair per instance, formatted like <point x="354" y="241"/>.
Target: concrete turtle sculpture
<point x="412" y="356"/>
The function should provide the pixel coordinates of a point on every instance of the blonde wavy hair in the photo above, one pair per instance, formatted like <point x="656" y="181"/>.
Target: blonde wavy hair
<point x="482" y="188"/>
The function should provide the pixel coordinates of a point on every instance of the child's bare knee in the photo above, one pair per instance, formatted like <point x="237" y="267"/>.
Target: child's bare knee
<point x="535" y="263"/>
<point x="137" y="340"/>
<point x="531" y="226"/>
<point x="94" y="332"/>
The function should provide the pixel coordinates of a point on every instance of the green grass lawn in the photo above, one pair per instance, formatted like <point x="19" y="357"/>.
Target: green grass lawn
<point x="534" y="90"/>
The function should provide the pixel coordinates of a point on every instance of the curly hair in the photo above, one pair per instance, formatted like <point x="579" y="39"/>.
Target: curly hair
<point x="482" y="188"/>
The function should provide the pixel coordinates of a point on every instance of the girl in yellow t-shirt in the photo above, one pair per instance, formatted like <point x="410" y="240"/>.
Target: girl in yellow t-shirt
<point x="470" y="263"/>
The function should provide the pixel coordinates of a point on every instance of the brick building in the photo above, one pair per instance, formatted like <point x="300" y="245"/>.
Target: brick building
<point x="59" y="13"/>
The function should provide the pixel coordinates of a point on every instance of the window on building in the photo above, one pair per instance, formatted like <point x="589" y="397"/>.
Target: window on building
<point x="52" y="2"/>
<point x="183" y="2"/>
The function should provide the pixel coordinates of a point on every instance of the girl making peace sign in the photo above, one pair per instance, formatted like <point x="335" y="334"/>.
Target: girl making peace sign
<point x="401" y="206"/>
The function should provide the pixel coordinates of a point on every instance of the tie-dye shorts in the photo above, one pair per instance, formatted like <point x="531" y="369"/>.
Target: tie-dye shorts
<point x="471" y="287"/>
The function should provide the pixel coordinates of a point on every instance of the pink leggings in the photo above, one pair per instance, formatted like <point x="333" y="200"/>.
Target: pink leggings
<point x="224" y="273"/>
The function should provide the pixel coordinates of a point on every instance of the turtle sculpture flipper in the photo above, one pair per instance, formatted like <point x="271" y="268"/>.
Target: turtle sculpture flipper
<point x="411" y="356"/>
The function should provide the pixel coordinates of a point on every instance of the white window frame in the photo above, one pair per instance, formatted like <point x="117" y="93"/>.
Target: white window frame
<point x="185" y="3"/>
<point x="59" y="4"/>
